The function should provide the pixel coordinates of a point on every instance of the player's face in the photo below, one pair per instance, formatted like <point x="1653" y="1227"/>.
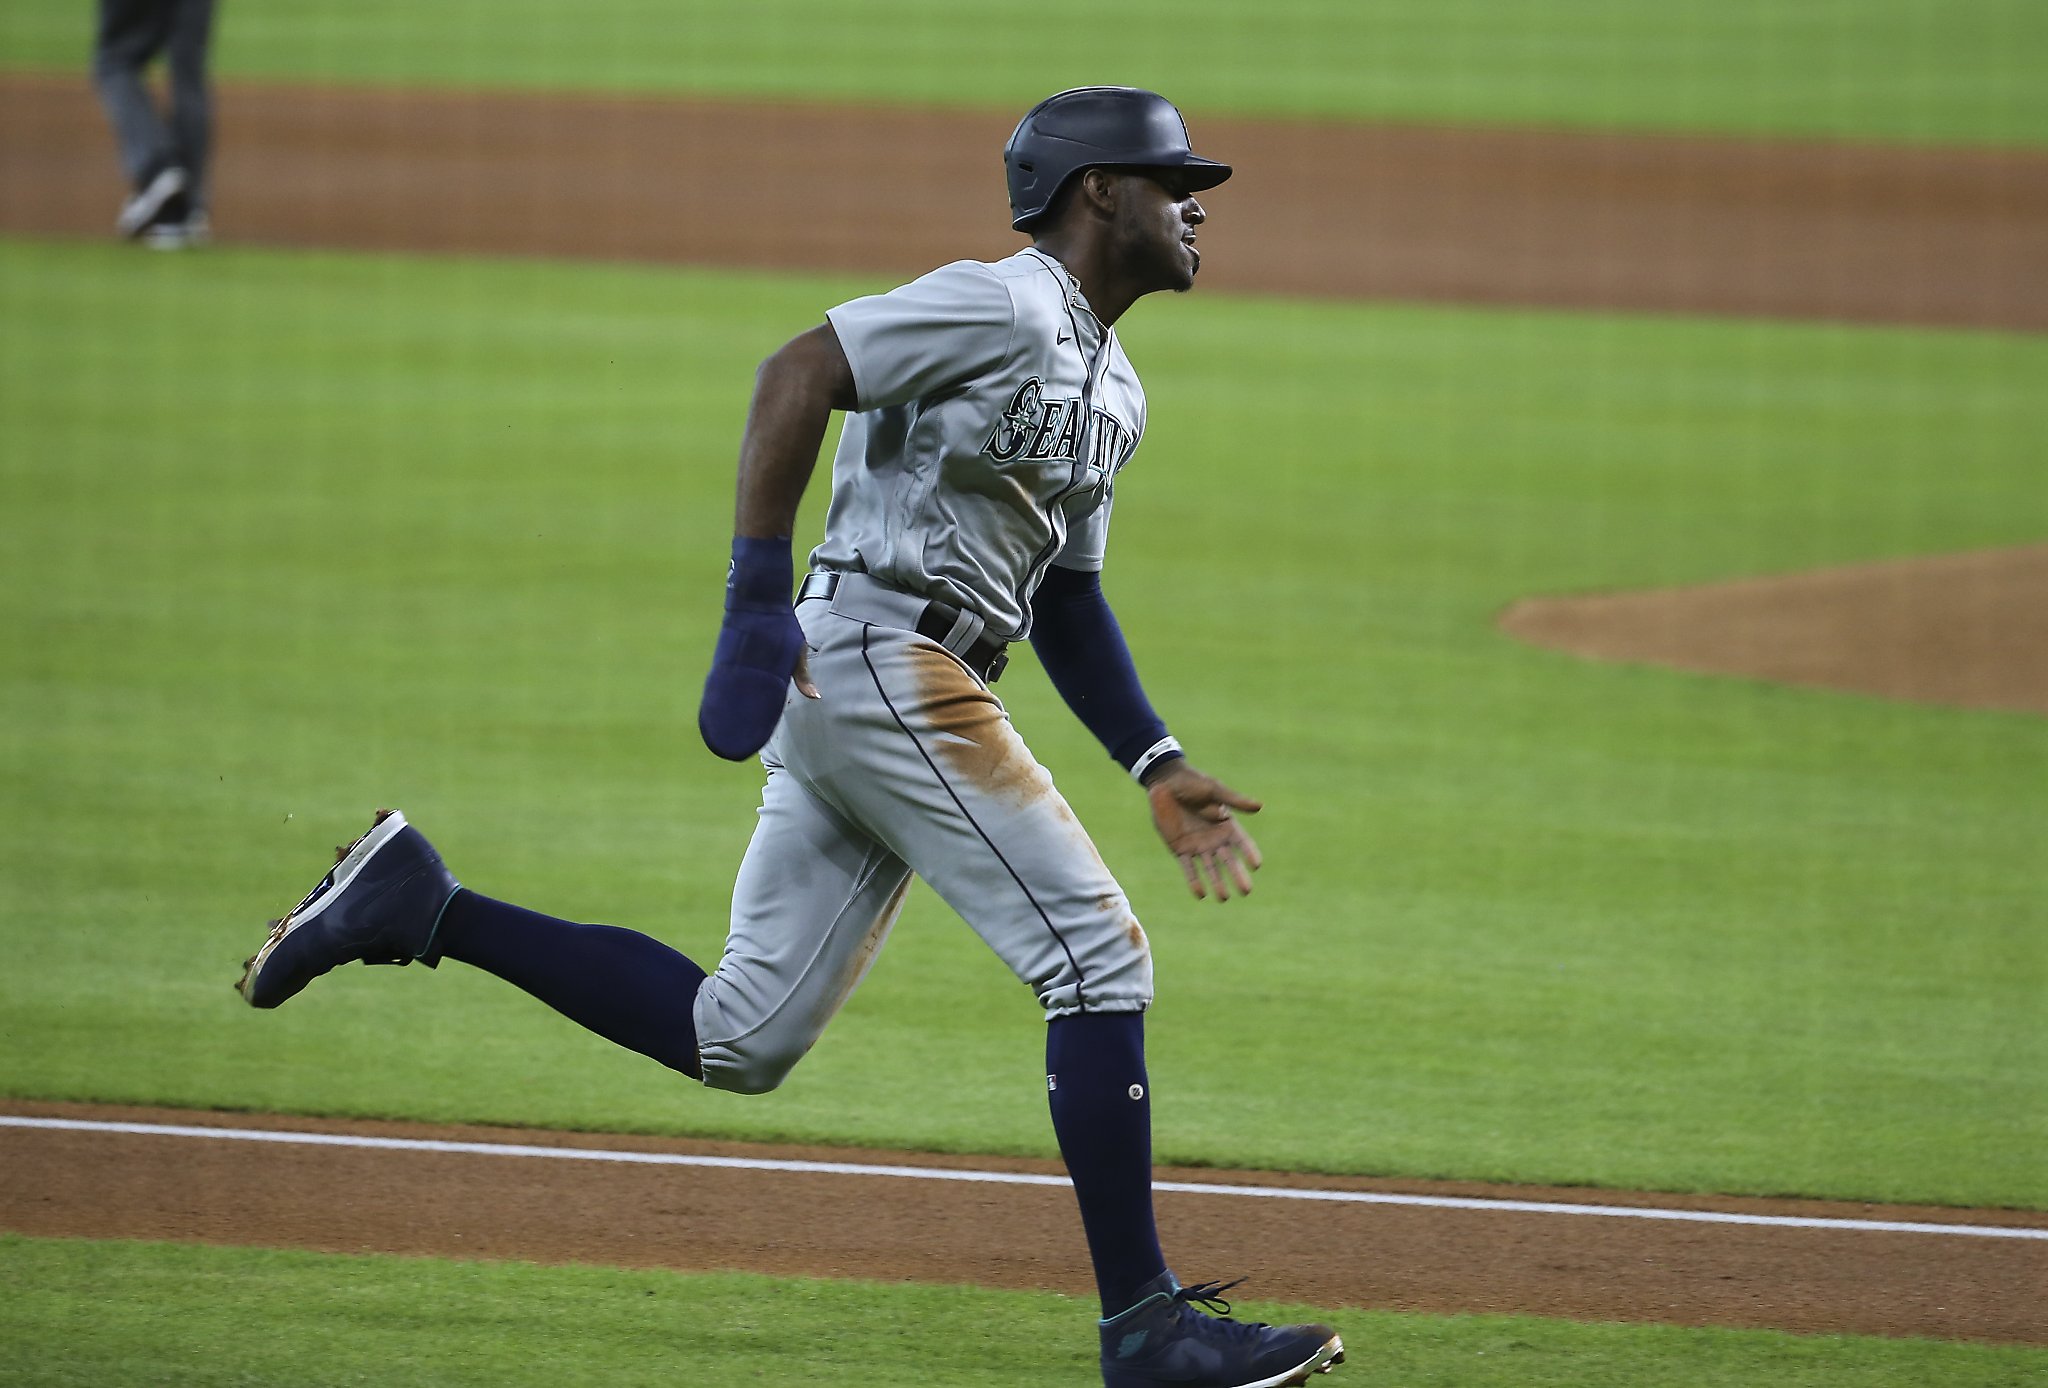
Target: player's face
<point x="1157" y="217"/>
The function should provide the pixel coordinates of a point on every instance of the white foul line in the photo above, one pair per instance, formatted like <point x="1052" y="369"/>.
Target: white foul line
<point x="1016" y="1178"/>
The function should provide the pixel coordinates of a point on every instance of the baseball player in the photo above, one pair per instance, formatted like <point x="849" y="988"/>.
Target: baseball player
<point x="989" y="410"/>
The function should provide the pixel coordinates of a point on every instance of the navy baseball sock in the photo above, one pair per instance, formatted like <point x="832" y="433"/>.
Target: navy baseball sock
<point x="625" y="986"/>
<point x="1102" y="1115"/>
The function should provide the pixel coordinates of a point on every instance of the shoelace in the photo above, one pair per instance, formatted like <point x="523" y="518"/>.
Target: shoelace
<point x="1209" y="1296"/>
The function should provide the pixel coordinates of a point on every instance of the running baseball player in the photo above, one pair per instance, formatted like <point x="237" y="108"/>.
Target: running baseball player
<point x="989" y="410"/>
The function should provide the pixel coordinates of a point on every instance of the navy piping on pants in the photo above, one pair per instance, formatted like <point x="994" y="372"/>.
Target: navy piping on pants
<point x="1080" y="997"/>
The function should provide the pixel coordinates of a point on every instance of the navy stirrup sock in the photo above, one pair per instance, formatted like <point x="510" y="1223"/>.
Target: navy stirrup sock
<point x="625" y="986"/>
<point x="1102" y="1115"/>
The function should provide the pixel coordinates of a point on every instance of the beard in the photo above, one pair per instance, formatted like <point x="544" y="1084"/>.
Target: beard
<point x="1175" y="265"/>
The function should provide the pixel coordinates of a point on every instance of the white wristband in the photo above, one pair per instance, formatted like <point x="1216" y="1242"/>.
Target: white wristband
<point x="1164" y="747"/>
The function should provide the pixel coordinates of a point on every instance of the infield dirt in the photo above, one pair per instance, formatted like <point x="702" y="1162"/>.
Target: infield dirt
<point x="1868" y="233"/>
<point x="102" y="1185"/>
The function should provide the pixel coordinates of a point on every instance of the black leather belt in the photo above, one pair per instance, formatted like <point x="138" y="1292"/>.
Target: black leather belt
<point x="987" y="657"/>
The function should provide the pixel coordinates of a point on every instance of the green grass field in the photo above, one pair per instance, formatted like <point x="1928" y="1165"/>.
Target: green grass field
<point x="87" y="1314"/>
<point x="1973" y="71"/>
<point x="290" y="536"/>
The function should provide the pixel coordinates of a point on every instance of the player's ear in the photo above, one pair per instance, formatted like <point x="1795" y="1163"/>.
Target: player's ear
<point x="1099" y="189"/>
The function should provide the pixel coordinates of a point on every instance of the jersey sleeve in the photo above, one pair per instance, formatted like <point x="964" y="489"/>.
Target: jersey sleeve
<point x="1087" y="543"/>
<point x="949" y="326"/>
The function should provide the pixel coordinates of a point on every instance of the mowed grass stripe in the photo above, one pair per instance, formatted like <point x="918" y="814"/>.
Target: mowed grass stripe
<point x="293" y="536"/>
<point x="111" y="1314"/>
<point x="1973" y="71"/>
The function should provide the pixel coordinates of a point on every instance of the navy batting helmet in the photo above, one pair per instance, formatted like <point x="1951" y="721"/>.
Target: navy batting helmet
<point x="1093" y="126"/>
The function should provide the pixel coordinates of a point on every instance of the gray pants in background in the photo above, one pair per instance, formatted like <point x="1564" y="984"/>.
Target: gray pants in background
<point x="132" y="33"/>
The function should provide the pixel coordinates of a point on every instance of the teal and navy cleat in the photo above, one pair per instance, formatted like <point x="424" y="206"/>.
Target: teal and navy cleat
<point x="381" y="904"/>
<point x="1165" y="1340"/>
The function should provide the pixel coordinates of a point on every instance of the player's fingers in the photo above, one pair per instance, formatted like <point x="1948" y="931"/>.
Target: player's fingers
<point x="1249" y="850"/>
<point x="802" y="677"/>
<point x="1188" y="870"/>
<point x="1240" y="871"/>
<point x="1235" y="801"/>
<point x="1217" y="862"/>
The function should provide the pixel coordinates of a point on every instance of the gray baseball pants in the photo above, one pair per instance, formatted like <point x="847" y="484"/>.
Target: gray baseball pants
<point x="130" y="34"/>
<point x="907" y="763"/>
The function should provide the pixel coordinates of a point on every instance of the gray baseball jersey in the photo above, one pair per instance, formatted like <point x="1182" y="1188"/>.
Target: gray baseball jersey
<point x="994" y="414"/>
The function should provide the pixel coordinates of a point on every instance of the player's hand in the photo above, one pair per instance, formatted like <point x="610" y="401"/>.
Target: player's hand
<point x="1193" y="814"/>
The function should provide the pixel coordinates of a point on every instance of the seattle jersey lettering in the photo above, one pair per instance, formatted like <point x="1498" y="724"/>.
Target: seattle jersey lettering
<point x="1034" y="429"/>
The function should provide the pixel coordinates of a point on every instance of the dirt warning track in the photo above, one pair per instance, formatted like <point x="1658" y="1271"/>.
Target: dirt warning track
<point x="556" y="1197"/>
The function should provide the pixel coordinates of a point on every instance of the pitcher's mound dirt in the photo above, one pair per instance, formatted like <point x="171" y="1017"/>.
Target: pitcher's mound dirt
<point x="1965" y="629"/>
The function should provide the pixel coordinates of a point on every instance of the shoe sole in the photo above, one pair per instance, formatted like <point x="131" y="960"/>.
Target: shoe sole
<point x="348" y="865"/>
<point x="169" y="237"/>
<point x="1326" y="1358"/>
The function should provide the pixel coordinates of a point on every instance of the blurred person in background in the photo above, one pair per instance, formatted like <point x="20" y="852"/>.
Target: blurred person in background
<point x="163" y="155"/>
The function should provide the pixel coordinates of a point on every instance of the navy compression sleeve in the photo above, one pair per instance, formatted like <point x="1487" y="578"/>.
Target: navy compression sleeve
<point x="1082" y="649"/>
